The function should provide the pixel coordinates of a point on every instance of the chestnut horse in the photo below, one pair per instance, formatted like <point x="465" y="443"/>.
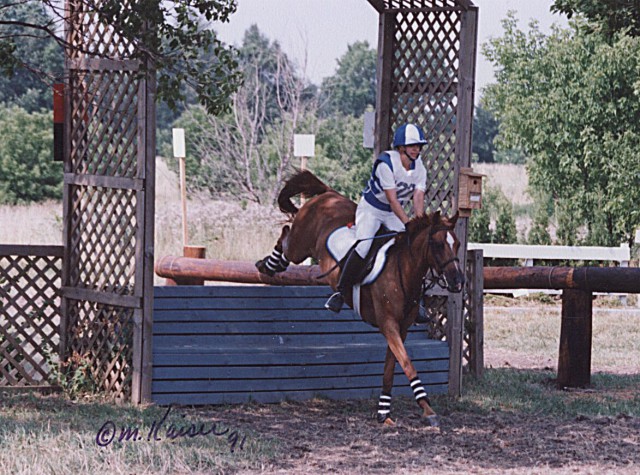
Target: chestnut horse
<point x="391" y="302"/>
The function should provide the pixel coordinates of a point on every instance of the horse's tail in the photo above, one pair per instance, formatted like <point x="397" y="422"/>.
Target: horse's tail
<point x="302" y="183"/>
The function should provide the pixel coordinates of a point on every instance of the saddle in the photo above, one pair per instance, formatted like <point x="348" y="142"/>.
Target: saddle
<point x="342" y="241"/>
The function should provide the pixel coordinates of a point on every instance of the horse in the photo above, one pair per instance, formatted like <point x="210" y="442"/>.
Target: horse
<point x="391" y="302"/>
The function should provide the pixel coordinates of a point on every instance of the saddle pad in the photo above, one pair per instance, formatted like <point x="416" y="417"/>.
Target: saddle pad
<point x="340" y="241"/>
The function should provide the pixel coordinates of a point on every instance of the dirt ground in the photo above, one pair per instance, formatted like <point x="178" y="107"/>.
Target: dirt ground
<point x="325" y="436"/>
<point x="338" y="437"/>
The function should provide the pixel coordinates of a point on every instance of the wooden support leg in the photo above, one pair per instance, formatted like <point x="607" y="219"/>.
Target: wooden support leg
<point x="574" y="359"/>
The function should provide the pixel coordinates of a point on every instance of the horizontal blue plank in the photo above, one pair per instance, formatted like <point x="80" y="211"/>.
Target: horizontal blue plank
<point x="255" y="303"/>
<point x="277" y="396"/>
<point x="288" y="370"/>
<point x="282" y="384"/>
<point x="240" y="291"/>
<point x="243" y="314"/>
<point x="261" y="328"/>
<point x="256" y="356"/>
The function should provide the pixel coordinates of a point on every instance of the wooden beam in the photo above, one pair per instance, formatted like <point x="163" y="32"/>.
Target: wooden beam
<point x="386" y="30"/>
<point x="574" y="357"/>
<point x="593" y="279"/>
<point x="180" y="268"/>
<point x="378" y="5"/>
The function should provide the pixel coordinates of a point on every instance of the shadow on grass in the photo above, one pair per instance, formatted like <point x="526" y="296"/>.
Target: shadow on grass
<point x="534" y="391"/>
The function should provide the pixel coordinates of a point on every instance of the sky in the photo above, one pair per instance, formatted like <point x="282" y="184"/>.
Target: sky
<point x="321" y="30"/>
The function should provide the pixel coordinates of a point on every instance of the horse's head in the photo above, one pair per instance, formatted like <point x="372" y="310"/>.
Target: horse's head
<point x="441" y="249"/>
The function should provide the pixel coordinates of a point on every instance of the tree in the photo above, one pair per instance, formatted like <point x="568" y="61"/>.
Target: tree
<point x="605" y="16"/>
<point x="485" y="129"/>
<point x="571" y="102"/>
<point x="29" y="86"/>
<point x="173" y="37"/>
<point x="247" y="152"/>
<point x="27" y="170"/>
<point x="341" y="160"/>
<point x="353" y="87"/>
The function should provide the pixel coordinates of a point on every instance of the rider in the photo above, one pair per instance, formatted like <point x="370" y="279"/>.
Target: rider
<point x="398" y="176"/>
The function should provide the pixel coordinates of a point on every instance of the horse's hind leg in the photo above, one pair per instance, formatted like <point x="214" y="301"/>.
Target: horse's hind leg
<point x="276" y="261"/>
<point x="395" y="342"/>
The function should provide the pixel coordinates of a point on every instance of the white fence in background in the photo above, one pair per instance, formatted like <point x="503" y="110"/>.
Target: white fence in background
<point x="529" y="254"/>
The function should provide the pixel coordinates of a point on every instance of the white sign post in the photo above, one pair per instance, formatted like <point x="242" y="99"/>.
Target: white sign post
<point x="304" y="145"/>
<point x="179" y="152"/>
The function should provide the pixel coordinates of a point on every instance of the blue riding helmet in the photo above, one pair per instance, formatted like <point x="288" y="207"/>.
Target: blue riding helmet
<point x="408" y="134"/>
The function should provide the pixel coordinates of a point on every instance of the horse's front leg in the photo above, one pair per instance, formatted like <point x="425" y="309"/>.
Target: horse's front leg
<point x="276" y="261"/>
<point x="395" y="342"/>
<point x="384" y="403"/>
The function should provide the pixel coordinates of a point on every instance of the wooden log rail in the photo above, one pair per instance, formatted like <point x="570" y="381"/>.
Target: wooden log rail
<point x="576" y="283"/>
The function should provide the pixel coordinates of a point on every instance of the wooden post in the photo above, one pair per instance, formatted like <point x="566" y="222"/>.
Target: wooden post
<point x="183" y="200"/>
<point x="475" y="286"/>
<point x="195" y="252"/>
<point x="574" y="358"/>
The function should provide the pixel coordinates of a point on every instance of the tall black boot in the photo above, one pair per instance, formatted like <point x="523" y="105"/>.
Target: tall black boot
<point x="351" y="275"/>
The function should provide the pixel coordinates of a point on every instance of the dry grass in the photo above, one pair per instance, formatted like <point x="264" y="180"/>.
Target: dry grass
<point x="227" y="229"/>
<point x="529" y="337"/>
<point x="31" y="224"/>
<point x="511" y="179"/>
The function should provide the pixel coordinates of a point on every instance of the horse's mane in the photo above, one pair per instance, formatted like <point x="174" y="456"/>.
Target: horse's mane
<point x="418" y="224"/>
<point x="302" y="183"/>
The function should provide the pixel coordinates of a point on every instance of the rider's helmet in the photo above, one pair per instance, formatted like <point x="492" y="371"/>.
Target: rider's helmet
<point x="408" y="134"/>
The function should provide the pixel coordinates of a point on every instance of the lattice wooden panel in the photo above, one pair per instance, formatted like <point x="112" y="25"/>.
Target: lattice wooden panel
<point x="89" y="36"/>
<point x="105" y="181"/>
<point x="29" y="316"/>
<point x="101" y="339"/>
<point x="103" y="239"/>
<point x="104" y="126"/>
<point x="424" y="91"/>
<point x="431" y="4"/>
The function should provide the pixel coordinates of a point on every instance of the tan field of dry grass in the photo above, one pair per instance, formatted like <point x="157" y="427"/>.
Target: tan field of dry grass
<point x="225" y="228"/>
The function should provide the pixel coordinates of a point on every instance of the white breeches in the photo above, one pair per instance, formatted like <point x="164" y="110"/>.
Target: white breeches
<point x="368" y="221"/>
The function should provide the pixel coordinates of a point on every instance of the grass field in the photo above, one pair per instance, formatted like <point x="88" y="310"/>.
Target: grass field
<point x="556" y="429"/>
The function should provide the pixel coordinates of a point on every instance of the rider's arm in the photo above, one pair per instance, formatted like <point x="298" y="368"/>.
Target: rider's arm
<point x="396" y="207"/>
<point x="418" y="202"/>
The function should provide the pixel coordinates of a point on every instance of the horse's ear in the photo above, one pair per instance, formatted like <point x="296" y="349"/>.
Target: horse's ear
<point x="454" y="218"/>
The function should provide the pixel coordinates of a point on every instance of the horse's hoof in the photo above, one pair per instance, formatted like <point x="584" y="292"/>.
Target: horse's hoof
<point x="432" y="421"/>
<point x="263" y="269"/>
<point x="389" y="422"/>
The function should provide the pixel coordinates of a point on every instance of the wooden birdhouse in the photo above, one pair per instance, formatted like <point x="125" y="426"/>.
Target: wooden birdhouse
<point x="470" y="195"/>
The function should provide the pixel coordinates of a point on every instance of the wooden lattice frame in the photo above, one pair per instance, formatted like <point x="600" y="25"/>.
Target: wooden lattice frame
<point x="108" y="207"/>
<point x="30" y="278"/>
<point x="426" y="72"/>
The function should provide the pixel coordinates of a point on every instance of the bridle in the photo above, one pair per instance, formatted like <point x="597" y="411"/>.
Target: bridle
<point x="431" y="279"/>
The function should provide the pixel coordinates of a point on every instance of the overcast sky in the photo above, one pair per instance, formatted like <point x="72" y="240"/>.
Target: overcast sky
<point x="324" y="28"/>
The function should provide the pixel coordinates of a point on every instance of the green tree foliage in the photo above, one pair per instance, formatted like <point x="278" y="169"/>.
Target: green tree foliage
<point x="34" y="62"/>
<point x="342" y="161"/>
<point x="174" y="37"/>
<point x="479" y="225"/>
<point x="485" y="129"/>
<point x="352" y="89"/>
<point x="605" y="16"/>
<point x="27" y="170"/>
<point x="571" y="102"/>
<point x="247" y="152"/>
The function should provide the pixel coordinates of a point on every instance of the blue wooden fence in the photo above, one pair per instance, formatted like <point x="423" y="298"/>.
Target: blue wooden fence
<point x="233" y="344"/>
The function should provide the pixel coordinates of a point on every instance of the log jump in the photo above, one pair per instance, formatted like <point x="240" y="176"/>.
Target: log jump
<point x="577" y="285"/>
<point x="591" y="279"/>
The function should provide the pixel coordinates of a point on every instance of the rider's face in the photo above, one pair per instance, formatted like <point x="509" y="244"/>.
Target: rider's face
<point x="413" y="151"/>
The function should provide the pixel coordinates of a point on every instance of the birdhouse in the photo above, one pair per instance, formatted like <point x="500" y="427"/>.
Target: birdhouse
<point x="470" y="192"/>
